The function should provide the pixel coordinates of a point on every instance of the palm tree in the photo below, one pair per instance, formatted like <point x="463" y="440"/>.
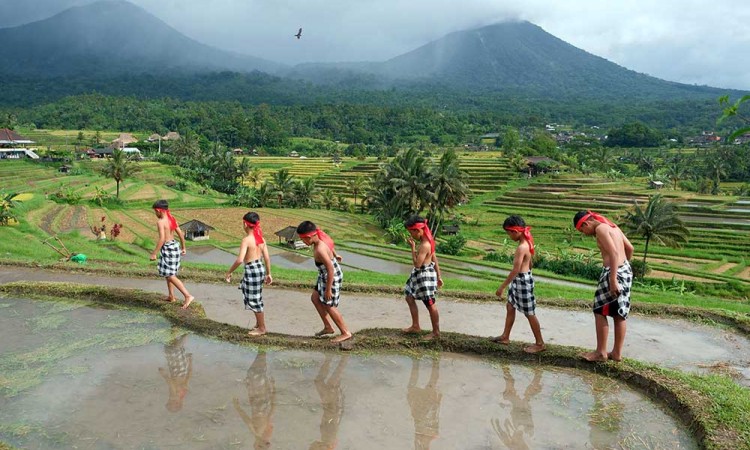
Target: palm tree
<point x="304" y="193"/>
<point x="264" y="194"/>
<point x="356" y="185"/>
<point x="119" y="167"/>
<point x="327" y="198"/>
<point x="7" y="204"/>
<point x="186" y="147"/>
<point x="658" y="222"/>
<point x="676" y="170"/>
<point x="283" y="183"/>
<point x="716" y="167"/>
<point x="243" y="169"/>
<point x="409" y="176"/>
<point x="254" y="176"/>
<point x="449" y="185"/>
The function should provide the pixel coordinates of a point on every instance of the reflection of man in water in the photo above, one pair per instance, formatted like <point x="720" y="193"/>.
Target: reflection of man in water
<point x="521" y="421"/>
<point x="332" y="400"/>
<point x="180" y="367"/>
<point x="261" y="394"/>
<point x="425" y="405"/>
<point x="605" y="416"/>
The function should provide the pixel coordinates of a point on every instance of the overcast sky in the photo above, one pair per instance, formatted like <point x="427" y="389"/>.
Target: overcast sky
<point x="690" y="41"/>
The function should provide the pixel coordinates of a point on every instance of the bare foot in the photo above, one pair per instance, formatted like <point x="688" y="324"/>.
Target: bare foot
<point x="188" y="300"/>
<point x="256" y="332"/>
<point x="341" y="338"/>
<point x="613" y="357"/>
<point x="324" y="332"/>
<point x="594" y="356"/>
<point x="170" y="299"/>
<point x="536" y="348"/>
<point x="500" y="340"/>
<point x="431" y="337"/>
<point x="411" y="330"/>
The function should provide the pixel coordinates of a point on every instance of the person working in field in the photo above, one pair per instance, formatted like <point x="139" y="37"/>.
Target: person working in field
<point x="612" y="296"/>
<point x="520" y="284"/>
<point x="253" y="246"/>
<point x="169" y="251"/>
<point x="327" y="291"/>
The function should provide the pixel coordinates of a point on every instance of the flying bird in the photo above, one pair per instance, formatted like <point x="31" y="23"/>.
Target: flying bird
<point x="299" y="34"/>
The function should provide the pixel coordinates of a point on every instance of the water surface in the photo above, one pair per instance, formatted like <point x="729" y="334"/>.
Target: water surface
<point x="77" y="376"/>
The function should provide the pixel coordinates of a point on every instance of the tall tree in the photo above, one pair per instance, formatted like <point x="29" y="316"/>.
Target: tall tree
<point x="356" y="185"/>
<point x="449" y="185"/>
<point x="283" y="184"/>
<point x="657" y="222"/>
<point x="675" y="170"/>
<point x="119" y="167"/>
<point x="7" y="205"/>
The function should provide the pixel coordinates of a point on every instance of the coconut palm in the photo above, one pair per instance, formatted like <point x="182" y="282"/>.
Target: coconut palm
<point x="327" y="198"/>
<point x="186" y="147"/>
<point x="449" y="184"/>
<point x="119" y="167"/>
<point x="254" y="176"/>
<point x="264" y="194"/>
<point x="356" y="185"/>
<point x="409" y="177"/>
<point x="304" y="193"/>
<point x="657" y="222"/>
<point x="283" y="184"/>
<point x="676" y="170"/>
<point x="716" y="168"/>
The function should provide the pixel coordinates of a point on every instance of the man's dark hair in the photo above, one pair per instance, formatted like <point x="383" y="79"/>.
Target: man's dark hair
<point x="251" y="217"/>
<point x="413" y="220"/>
<point x="579" y="215"/>
<point x="160" y="204"/>
<point x="514" y="221"/>
<point x="306" y="227"/>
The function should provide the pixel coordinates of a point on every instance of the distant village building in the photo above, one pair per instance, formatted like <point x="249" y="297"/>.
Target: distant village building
<point x="12" y="145"/>
<point x="744" y="139"/>
<point x="293" y="154"/>
<point x="64" y="168"/>
<point x="154" y="137"/>
<point x="171" y="136"/>
<point x="123" y="140"/>
<point x="705" y="138"/>
<point x="289" y="236"/>
<point x="195" y="230"/>
<point x="238" y="151"/>
<point x="655" y="184"/>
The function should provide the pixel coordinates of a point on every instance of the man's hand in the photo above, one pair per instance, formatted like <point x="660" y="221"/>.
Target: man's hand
<point x="500" y="292"/>
<point x="153" y="256"/>
<point x="184" y="251"/>
<point x="440" y="282"/>
<point x="269" y="279"/>
<point x="411" y="243"/>
<point x="328" y="294"/>
<point x="228" y="278"/>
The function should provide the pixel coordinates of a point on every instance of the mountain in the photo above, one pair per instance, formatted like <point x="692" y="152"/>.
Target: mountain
<point x="509" y="57"/>
<point x="111" y="37"/>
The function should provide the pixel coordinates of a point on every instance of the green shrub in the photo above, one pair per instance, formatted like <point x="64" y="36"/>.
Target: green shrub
<point x="640" y="268"/>
<point x="452" y="245"/>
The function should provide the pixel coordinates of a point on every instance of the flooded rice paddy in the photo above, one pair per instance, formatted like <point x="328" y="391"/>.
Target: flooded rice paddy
<point x="76" y="376"/>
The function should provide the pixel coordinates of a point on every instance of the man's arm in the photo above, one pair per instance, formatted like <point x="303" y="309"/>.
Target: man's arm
<point x="181" y="235"/>
<point x="161" y="228"/>
<point x="329" y="269"/>
<point x="237" y="262"/>
<point x="422" y="255"/>
<point x="437" y="270"/>
<point x="515" y="270"/>
<point x="267" y="262"/>
<point x="628" y="247"/>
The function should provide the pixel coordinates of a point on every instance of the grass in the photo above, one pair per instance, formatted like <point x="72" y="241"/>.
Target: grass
<point x="712" y="407"/>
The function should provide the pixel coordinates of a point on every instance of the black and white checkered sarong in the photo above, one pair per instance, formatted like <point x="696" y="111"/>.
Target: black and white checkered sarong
<point x="422" y="284"/>
<point x="603" y="301"/>
<point x="252" y="285"/>
<point x="521" y="293"/>
<point x="320" y="286"/>
<point x="169" y="259"/>
<point x="176" y="359"/>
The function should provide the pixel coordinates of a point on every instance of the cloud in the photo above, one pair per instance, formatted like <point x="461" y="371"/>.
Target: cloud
<point x="690" y="41"/>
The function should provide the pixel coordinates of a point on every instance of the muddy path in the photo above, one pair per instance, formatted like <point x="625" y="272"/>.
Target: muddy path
<point x="674" y="343"/>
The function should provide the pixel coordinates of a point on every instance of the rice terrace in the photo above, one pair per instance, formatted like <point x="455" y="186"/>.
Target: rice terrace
<point x="497" y="174"/>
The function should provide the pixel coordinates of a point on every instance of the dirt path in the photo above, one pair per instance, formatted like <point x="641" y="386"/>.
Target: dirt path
<point x="667" y="342"/>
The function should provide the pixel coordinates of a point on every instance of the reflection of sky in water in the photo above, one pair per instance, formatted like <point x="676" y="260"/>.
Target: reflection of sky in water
<point x="199" y="393"/>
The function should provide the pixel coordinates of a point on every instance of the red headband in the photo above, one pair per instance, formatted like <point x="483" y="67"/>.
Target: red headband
<point x="526" y="234"/>
<point x="427" y="232"/>
<point x="172" y="221"/>
<point x="321" y="235"/>
<point x="257" y="232"/>
<point x="595" y="216"/>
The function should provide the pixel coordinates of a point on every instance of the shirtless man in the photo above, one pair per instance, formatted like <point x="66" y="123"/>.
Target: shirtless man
<point x="612" y="296"/>
<point x="169" y="251"/>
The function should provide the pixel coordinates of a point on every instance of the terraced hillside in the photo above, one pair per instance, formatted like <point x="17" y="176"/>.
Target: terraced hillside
<point x="719" y="226"/>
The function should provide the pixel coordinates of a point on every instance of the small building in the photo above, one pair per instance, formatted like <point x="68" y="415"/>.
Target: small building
<point x="171" y="136"/>
<point x="238" y="151"/>
<point x="450" y="230"/>
<point x="123" y="140"/>
<point x="154" y="137"/>
<point x="64" y="168"/>
<point x="293" y="154"/>
<point x="9" y="138"/>
<point x="17" y="153"/>
<point x="655" y="184"/>
<point x="289" y="236"/>
<point x="195" y="230"/>
<point x="540" y="164"/>
<point x="103" y="152"/>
